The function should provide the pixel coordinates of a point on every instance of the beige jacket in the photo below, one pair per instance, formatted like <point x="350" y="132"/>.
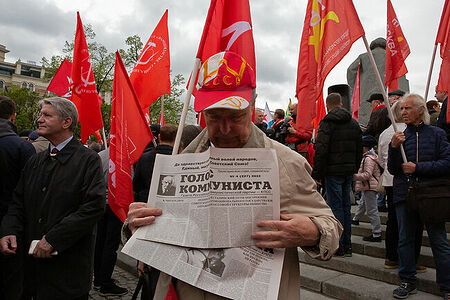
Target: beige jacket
<point x="298" y="195"/>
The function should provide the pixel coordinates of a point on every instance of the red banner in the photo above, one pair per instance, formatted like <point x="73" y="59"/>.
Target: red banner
<point x="129" y="136"/>
<point x="151" y="74"/>
<point x="329" y="30"/>
<point x="356" y="99"/>
<point x="84" y="90"/>
<point x="62" y="81"/>
<point x="397" y="50"/>
<point x="228" y="27"/>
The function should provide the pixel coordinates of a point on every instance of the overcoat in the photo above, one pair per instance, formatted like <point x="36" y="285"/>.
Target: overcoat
<point x="60" y="196"/>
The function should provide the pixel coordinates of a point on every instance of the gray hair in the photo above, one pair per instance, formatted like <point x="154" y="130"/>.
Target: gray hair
<point x="397" y="112"/>
<point x="64" y="108"/>
<point x="420" y="104"/>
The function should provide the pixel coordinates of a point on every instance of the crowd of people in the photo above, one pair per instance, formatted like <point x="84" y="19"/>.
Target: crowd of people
<point x="58" y="231"/>
<point x="364" y="162"/>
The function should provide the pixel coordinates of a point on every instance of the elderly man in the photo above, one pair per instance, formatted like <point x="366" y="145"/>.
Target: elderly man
<point x="306" y="220"/>
<point x="259" y="120"/>
<point x="57" y="202"/>
<point x="394" y="96"/>
<point x="428" y="154"/>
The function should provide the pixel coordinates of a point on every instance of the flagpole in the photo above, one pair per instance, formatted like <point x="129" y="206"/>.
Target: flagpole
<point x="104" y="138"/>
<point x="161" y="113"/>
<point x="433" y="57"/>
<point x="381" y="86"/>
<point x="197" y="63"/>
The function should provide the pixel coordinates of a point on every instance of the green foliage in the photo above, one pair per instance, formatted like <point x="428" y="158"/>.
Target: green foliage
<point x="131" y="55"/>
<point x="172" y="104"/>
<point x="101" y="59"/>
<point x="26" y="106"/>
<point x="102" y="63"/>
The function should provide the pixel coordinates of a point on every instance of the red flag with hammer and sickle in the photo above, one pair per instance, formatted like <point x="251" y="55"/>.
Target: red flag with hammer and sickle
<point x="329" y="30"/>
<point x="84" y="90"/>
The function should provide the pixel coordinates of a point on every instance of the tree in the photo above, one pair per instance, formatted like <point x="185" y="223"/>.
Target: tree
<point x="101" y="59"/>
<point x="26" y="106"/>
<point x="172" y="105"/>
<point x="131" y="55"/>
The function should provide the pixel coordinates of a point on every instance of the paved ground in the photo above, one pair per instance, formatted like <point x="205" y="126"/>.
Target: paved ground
<point x="123" y="279"/>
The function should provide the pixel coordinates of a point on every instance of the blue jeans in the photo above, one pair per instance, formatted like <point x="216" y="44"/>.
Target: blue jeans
<point x="408" y="222"/>
<point x="337" y="189"/>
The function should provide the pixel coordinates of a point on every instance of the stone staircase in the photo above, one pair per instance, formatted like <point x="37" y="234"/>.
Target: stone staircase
<point x="363" y="276"/>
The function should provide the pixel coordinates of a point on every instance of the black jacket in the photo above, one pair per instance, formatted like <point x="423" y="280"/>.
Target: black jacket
<point x="338" y="145"/>
<point x="15" y="152"/>
<point x="378" y="122"/>
<point x="61" y="197"/>
<point x="144" y="170"/>
<point x="428" y="144"/>
<point x="442" y="119"/>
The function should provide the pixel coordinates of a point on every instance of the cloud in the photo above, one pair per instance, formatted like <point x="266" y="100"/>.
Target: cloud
<point x="40" y="28"/>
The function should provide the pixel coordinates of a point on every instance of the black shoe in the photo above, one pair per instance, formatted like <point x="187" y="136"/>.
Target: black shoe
<point x="340" y="253"/>
<point x="348" y="252"/>
<point x="112" y="289"/>
<point x="355" y="222"/>
<point x="382" y="209"/>
<point x="404" y="290"/>
<point x="371" y="238"/>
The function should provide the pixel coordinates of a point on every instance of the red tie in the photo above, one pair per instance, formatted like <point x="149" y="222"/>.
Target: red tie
<point x="54" y="151"/>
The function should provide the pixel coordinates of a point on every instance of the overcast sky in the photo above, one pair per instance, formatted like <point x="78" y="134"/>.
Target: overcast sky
<point x="31" y="29"/>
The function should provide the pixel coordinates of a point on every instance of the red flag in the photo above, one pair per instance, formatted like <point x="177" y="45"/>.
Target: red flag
<point x="444" y="30"/>
<point x="320" y="112"/>
<point x="329" y="30"/>
<point x="162" y="120"/>
<point x="129" y="136"/>
<point x="201" y="120"/>
<point x="442" y="38"/>
<point x="228" y="26"/>
<point x="84" y="91"/>
<point x="397" y="50"/>
<point x="62" y="81"/>
<point x="151" y="74"/>
<point x="356" y="99"/>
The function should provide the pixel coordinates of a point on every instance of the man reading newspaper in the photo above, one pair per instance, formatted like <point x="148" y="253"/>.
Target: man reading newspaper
<point x="226" y="94"/>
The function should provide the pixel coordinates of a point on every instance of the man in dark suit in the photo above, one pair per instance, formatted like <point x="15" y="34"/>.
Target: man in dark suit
<point x="58" y="200"/>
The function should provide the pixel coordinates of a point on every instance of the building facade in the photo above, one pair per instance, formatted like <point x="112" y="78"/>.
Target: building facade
<point x="21" y="74"/>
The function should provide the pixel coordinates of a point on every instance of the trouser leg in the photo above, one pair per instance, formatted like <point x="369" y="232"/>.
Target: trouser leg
<point x="441" y="253"/>
<point x="407" y="224"/>
<point x="370" y="198"/>
<point x="391" y="227"/>
<point x="111" y="244"/>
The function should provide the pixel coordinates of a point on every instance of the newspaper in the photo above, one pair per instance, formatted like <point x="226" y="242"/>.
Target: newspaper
<point x="236" y="273"/>
<point x="213" y="199"/>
